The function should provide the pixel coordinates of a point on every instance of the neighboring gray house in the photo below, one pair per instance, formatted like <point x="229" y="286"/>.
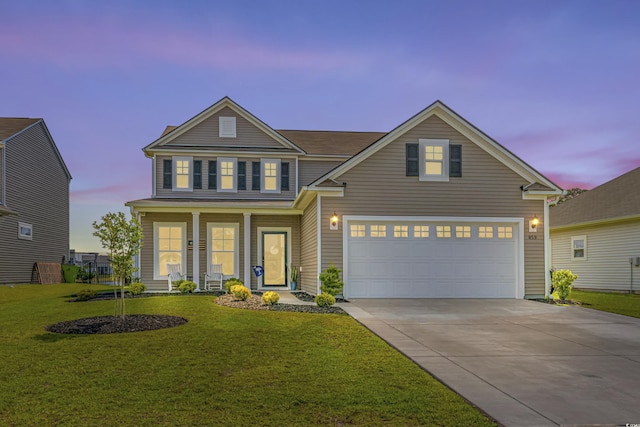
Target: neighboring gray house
<point x="597" y="235"/>
<point x="34" y="199"/>
<point x="433" y="208"/>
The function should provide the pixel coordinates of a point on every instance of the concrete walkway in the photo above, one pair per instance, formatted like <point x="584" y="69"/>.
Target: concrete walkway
<point x="286" y="297"/>
<point x="524" y="363"/>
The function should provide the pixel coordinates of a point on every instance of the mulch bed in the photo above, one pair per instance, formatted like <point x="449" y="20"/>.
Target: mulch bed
<point x="115" y="325"/>
<point x="149" y="322"/>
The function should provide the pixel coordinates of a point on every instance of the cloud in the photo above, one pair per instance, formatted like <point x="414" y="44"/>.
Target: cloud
<point x="85" y="44"/>
<point x="114" y="193"/>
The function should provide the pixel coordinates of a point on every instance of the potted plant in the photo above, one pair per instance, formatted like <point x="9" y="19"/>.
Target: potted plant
<point x="294" y="277"/>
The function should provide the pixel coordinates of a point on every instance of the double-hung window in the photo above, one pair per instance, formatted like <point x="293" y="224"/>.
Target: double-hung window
<point x="578" y="248"/>
<point x="434" y="160"/>
<point x="223" y="247"/>
<point x="270" y="175"/>
<point x="25" y="231"/>
<point x="169" y="247"/>
<point x="182" y="169"/>
<point x="227" y="174"/>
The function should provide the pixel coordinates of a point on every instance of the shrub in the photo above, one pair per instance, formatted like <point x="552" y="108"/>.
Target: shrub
<point x="270" y="298"/>
<point x="136" y="288"/>
<point x="240" y="292"/>
<point x="186" y="286"/>
<point x="331" y="282"/>
<point x="325" y="300"/>
<point x="232" y="282"/>
<point x="563" y="282"/>
<point x="85" y="294"/>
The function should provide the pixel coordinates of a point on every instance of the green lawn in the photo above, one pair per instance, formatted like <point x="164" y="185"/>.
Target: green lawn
<point x="626" y="304"/>
<point x="225" y="367"/>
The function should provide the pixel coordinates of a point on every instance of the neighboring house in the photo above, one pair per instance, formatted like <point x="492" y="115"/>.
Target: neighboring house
<point x="434" y="208"/>
<point x="597" y="235"/>
<point x="34" y="199"/>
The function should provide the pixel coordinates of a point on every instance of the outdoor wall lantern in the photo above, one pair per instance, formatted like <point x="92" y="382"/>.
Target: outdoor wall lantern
<point x="533" y="224"/>
<point x="333" y="222"/>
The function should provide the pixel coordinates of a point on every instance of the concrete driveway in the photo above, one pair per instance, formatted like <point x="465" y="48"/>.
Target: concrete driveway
<point x="523" y="362"/>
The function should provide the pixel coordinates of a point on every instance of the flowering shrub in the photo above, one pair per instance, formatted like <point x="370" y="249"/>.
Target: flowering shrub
<point x="186" y="286"/>
<point x="136" y="288"/>
<point x="325" y="300"/>
<point x="229" y="283"/>
<point x="270" y="298"/>
<point x="562" y="283"/>
<point x="240" y="292"/>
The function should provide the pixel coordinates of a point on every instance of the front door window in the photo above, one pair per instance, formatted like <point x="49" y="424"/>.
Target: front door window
<point x="274" y="258"/>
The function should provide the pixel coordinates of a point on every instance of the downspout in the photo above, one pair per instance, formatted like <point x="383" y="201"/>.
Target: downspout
<point x="547" y="252"/>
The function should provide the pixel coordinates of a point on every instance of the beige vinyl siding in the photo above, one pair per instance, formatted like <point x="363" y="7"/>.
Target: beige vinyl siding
<point x="292" y="221"/>
<point x="37" y="188"/>
<point x="310" y="170"/>
<point x="1" y="187"/>
<point x="206" y="193"/>
<point x="309" y="249"/>
<point x="487" y="188"/>
<point x="206" y="134"/>
<point x="609" y="248"/>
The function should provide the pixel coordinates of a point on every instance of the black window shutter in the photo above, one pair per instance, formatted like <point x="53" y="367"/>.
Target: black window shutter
<point x="242" y="175"/>
<point x="455" y="160"/>
<point x="412" y="159"/>
<point x="167" y="174"/>
<point x="197" y="174"/>
<point x="213" y="174"/>
<point x="284" y="177"/>
<point x="255" y="176"/>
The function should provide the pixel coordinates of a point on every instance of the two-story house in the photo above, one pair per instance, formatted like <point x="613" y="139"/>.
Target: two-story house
<point x="34" y="199"/>
<point x="433" y="208"/>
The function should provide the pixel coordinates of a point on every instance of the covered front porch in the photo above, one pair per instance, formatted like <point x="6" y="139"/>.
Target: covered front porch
<point x="238" y="240"/>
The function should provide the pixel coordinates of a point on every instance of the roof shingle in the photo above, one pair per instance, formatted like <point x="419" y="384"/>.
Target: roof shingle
<point x="618" y="198"/>
<point x="9" y="126"/>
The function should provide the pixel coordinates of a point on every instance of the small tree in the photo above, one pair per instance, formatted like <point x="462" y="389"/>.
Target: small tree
<point x="331" y="282"/>
<point x="122" y="239"/>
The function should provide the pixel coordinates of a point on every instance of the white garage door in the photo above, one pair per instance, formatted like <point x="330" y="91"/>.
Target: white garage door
<point x="431" y="259"/>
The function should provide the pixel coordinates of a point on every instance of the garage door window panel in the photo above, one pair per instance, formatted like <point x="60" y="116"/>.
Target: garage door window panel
<point x="357" y="230"/>
<point x="400" y="231"/>
<point x="443" y="231"/>
<point x="505" y="232"/>
<point x="485" y="232"/>
<point x="421" y="231"/>
<point x="463" y="232"/>
<point x="378" y="231"/>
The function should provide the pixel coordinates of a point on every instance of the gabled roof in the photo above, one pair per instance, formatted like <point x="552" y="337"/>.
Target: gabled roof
<point x="173" y="132"/>
<point x="11" y="127"/>
<point x="614" y="200"/>
<point x="439" y="109"/>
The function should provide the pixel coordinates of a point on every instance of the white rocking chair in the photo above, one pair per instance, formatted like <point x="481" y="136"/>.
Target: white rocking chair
<point x="174" y="275"/>
<point x="213" y="276"/>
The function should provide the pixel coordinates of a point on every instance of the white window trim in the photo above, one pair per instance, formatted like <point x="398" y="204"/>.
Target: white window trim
<point x="175" y="160"/>
<point x="236" y="244"/>
<point x="234" y="189"/>
<point x="227" y="122"/>
<point x="573" y="257"/>
<point x="22" y="225"/>
<point x="423" y="143"/>
<point x="156" y="264"/>
<point x="263" y="177"/>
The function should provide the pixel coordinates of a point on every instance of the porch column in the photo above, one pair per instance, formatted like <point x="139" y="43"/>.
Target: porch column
<point x="247" y="249"/>
<point x="195" y="238"/>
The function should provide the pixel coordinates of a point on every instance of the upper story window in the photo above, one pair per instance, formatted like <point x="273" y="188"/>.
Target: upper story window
<point x="578" y="248"/>
<point x="270" y="175"/>
<point x="177" y="173"/>
<point x="25" y="231"/>
<point x="227" y="126"/>
<point x="227" y="176"/>
<point x="434" y="160"/>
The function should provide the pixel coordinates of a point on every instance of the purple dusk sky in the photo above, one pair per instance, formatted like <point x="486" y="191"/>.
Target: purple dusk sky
<point x="556" y="82"/>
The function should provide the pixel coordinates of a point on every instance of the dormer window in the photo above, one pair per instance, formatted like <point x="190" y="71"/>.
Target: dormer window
<point x="227" y="127"/>
<point x="434" y="160"/>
